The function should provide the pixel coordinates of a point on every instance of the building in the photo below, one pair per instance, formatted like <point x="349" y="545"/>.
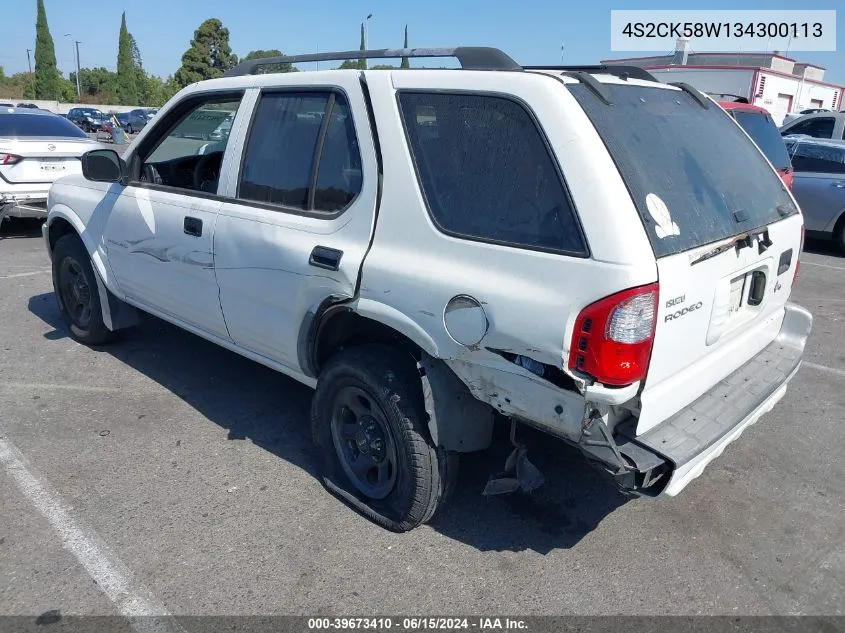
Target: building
<point x="770" y="80"/>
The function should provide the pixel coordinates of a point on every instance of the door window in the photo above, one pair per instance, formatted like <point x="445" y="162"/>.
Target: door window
<point x="820" y="128"/>
<point x="810" y="157"/>
<point x="302" y="153"/>
<point x="189" y="155"/>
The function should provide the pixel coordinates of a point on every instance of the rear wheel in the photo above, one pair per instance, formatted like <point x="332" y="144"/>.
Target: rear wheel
<point x="369" y="422"/>
<point x="75" y="285"/>
<point x="839" y="234"/>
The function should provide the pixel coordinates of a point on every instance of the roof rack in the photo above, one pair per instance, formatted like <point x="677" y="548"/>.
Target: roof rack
<point x="470" y="58"/>
<point x="623" y="72"/>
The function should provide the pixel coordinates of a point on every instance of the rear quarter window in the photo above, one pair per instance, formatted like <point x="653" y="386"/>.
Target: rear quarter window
<point x="486" y="172"/>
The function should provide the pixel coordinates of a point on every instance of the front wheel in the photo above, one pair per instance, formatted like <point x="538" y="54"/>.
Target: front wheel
<point x="75" y="285"/>
<point x="369" y="422"/>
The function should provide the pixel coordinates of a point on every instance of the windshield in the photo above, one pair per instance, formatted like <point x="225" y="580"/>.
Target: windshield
<point x="762" y="130"/>
<point x="40" y="125"/>
<point x="693" y="175"/>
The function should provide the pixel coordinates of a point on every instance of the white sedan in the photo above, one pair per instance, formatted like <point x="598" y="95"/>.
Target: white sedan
<point x="36" y="148"/>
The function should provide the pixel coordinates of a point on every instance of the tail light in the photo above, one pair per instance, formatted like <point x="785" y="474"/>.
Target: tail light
<point x="798" y="258"/>
<point x="613" y="337"/>
<point x="9" y="159"/>
<point x="788" y="178"/>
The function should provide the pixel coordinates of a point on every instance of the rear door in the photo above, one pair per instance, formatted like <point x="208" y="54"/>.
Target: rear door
<point x="819" y="183"/>
<point x="725" y="232"/>
<point x="299" y="212"/>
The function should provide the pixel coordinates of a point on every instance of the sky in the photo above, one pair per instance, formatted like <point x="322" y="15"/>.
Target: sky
<point x="530" y="31"/>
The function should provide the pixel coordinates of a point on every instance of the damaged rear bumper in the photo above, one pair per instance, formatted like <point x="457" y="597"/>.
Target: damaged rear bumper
<point x="682" y="446"/>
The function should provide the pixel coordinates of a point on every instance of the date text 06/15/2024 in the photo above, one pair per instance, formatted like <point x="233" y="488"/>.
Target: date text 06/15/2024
<point x="417" y="624"/>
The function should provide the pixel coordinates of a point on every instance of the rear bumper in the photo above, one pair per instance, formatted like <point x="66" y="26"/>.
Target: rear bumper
<point x="30" y="204"/>
<point x="695" y="436"/>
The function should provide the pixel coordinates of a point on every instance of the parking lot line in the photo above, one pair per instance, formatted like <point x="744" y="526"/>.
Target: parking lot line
<point x="111" y="575"/>
<point x="29" y="274"/>
<point x="49" y="386"/>
<point x="806" y="263"/>
<point x="830" y="370"/>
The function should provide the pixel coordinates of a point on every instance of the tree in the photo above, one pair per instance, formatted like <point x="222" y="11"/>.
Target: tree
<point x="271" y="68"/>
<point x="208" y="56"/>
<point x="405" y="61"/>
<point x="140" y="75"/>
<point x="47" y="77"/>
<point x="362" y="61"/>
<point x="350" y="65"/>
<point x="98" y="85"/>
<point x="127" y="79"/>
<point x="383" y="67"/>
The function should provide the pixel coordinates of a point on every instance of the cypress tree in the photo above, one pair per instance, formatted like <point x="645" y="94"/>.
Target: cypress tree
<point x="127" y="73"/>
<point x="405" y="63"/>
<point x="47" y="77"/>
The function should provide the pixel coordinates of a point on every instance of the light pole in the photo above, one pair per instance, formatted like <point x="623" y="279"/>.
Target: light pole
<point x="28" y="61"/>
<point x="367" y="32"/>
<point x="78" y="91"/>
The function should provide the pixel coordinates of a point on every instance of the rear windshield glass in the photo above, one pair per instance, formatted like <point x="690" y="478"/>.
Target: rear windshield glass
<point x="21" y="125"/>
<point x="762" y="130"/>
<point x="694" y="176"/>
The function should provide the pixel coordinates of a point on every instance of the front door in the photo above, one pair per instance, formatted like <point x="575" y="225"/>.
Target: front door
<point x="298" y="217"/>
<point x="160" y="232"/>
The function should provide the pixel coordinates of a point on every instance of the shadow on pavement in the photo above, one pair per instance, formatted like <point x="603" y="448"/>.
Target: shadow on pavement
<point x="821" y="246"/>
<point x="256" y="403"/>
<point x="16" y="228"/>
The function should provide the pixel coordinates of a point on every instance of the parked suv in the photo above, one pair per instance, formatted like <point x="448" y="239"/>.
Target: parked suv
<point x="584" y="250"/>
<point x="819" y="125"/>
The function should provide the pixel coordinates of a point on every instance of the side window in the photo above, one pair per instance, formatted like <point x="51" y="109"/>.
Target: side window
<point x="189" y="155"/>
<point x="817" y="158"/>
<point x="819" y="128"/>
<point x="486" y="172"/>
<point x="289" y="130"/>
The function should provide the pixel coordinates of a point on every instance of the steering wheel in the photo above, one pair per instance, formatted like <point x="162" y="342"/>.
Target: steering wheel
<point x="202" y="165"/>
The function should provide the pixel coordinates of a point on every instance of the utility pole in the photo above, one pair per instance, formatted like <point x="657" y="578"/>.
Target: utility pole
<point x="367" y="32"/>
<point x="28" y="60"/>
<point x="78" y="92"/>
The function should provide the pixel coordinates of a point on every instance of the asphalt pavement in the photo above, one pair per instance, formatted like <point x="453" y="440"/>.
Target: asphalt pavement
<point x="167" y="471"/>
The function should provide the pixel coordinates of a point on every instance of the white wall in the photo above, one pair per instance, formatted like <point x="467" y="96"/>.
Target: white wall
<point x="737" y="82"/>
<point x="62" y="108"/>
<point x="801" y="92"/>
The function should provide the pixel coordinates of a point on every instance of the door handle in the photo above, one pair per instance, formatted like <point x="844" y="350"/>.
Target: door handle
<point x="325" y="257"/>
<point x="192" y="226"/>
<point x="839" y="185"/>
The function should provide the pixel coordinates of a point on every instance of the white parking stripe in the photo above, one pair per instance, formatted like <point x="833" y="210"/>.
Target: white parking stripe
<point x="830" y="370"/>
<point x="29" y="274"/>
<point x="49" y="386"/>
<point x="804" y="262"/>
<point x="110" y="574"/>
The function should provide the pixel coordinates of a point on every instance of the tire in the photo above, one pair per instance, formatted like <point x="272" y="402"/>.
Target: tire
<point x="129" y="129"/>
<point x="369" y="406"/>
<point x="839" y="235"/>
<point x="86" y="128"/>
<point x="75" y="285"/>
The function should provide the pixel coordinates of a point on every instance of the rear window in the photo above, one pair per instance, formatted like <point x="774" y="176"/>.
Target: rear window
<point x="820" y="127"/>
<point x="762" y="130"/>
<point x="693" y="175"/>
<point x="486" y="172"/>
<point x="38" y="125"/>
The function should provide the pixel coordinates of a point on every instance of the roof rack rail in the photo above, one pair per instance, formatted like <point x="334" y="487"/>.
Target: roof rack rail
<point x="470" y="58"/>
<point x="623" y="72"/>
<point x="693" y="92"/>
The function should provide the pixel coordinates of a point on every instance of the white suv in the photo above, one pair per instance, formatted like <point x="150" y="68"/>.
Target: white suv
<point x="587" y="251"/>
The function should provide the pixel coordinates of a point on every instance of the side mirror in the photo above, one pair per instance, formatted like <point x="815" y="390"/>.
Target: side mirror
<point x="103" y="165"/>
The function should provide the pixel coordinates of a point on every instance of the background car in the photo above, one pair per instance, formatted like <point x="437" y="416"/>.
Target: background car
<point x="123" y="119"/>
<point x="28" y="105"/>
<point x="819" y="125"/>
<point x="796" y="115"/>
<point x="36" y="148"/>
<point x="87" y="119"/>
<point x="819" y="185"/>
<point x="136" y="120"/>
<point x="759" y="125"/>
